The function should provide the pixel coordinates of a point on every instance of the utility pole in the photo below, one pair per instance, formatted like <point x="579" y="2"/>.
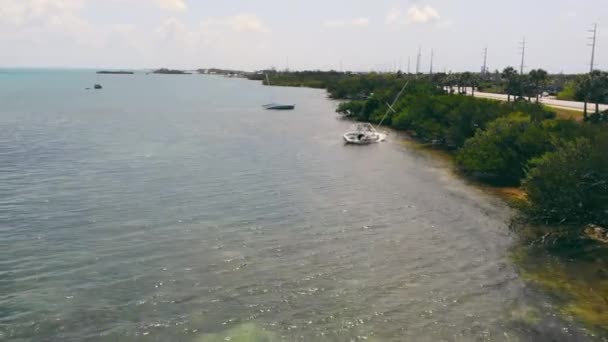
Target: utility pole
<point x="523" y="55"/>
<point x="484" y="68"/>
<point x="418" y="60"/>
<point x="408" y="64"/>
<point x="593" y="41"/>
<point x="432" y="56"/>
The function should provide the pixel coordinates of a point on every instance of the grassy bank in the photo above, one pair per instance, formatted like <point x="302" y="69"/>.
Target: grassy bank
<point x="565" y="113"/>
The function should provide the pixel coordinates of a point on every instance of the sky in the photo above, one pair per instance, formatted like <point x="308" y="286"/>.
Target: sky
<point x="359" y="35"/>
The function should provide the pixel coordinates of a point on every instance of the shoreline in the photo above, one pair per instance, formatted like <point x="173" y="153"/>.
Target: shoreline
<point x="583" y="300"/>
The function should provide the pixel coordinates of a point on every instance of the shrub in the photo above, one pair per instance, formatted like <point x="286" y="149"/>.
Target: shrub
<point x="501" y="152"/>
<point x="570" y="185"/>
<point x="569" y="91"/>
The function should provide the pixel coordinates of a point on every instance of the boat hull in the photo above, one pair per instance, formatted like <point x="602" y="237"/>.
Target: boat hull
<point x="279" y="107"/>
<point x="357" y="138"/>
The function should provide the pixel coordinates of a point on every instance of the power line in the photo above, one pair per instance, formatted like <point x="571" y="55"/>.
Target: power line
<point x="593" y="42"/>
<point x="484" y="68"/>
<point x="522" y="46"/>
<point x="432" y="56"/>
<point x="418" y="60"/>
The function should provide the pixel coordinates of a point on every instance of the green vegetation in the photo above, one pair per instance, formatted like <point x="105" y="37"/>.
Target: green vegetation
<point x="569" y="91"/>
<point x="501" y="152"/>
<point x="589" y="88"/>
<point x="561" y="163"/>
<point x="432" y="116"/>
<point x="593" y="88"/>
<point x="566" y="113"/>
<point x="166" y="71"/>
<point x="570" y="185"/>
<point x="521" y="86"/>
<point x="309" y="79"/>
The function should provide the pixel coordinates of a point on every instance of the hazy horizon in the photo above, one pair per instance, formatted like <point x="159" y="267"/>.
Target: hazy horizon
<point x="341" y="35"/>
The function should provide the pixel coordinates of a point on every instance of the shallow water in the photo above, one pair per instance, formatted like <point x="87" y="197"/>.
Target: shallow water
<point x="175" y="208"/>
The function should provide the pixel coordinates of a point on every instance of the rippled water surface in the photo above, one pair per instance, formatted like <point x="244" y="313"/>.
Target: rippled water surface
<point x="173" y="208"/>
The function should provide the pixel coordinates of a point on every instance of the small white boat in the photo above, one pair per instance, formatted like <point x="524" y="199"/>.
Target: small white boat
<point x="364" y="134"/>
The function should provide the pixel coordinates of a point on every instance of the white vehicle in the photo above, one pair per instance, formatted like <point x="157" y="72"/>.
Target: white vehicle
<point x="364" y="134"/>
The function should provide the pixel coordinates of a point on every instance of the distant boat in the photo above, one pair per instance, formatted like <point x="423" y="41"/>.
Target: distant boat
<point x="117" y="72"/>
<point x="277" y="106"/>
<point x="97" y="84"/>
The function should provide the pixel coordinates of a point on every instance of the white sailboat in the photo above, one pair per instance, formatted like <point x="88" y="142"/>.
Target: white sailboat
<point x="365" y="133"/>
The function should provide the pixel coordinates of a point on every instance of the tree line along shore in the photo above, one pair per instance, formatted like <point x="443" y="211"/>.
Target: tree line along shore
<point x="561" y="164"/>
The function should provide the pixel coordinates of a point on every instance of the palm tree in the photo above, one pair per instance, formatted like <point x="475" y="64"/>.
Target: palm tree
<point x="439" y="79"/>
<point x="465" y="79"/>
<point x="539" y="78"/>
<point x="593" y="88"/>
<point x="450" y="81"/>
<point x="474" y="81"/>
<point x="458" y="82"/>
<point x="509" y="75"/>
<point x="527" y="87"/>
<point x="598" y="88"/>
<point x="583" y="88"/>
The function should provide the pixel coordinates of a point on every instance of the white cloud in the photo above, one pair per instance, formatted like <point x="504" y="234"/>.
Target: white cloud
<point x="20" y="12"/>
<point x="39" y="22"/>
<point x="416" y="14"/>
<point x="444" y="24"/>
<point x="360" y="22"/>
<point x="245" y="23"/>
<point x="356" y="22"/>
<point x="393" y="16"/>
<point x="215" y="41"/>
<point x="236" y="23"/>
<point x="397" y="18"/>
<point x="334" y="23"/>
<point x="174" y="31"/>
<point x="172" y="5"/>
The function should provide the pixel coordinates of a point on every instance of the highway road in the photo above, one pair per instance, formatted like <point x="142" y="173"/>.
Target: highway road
<point x="549" y="101"/>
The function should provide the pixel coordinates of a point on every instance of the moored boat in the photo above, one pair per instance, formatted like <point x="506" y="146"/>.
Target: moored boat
<point x="277" y="106"/>
<point x="364" y="134"/>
